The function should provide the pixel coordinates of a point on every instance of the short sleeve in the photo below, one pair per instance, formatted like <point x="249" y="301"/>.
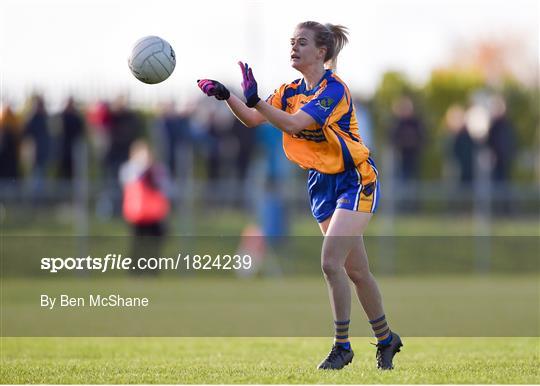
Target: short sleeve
<point x="321" y="107"/>
<point x="275" y="98"/>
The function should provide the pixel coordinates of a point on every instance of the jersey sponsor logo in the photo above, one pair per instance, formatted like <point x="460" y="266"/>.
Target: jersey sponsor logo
<point x="311" y="135"/>
<point x="324" y="103"/>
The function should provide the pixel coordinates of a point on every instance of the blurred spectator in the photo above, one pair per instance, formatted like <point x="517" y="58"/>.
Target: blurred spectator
<point x="272" y="212"/>
<point x="10" y="132"/>
<point x="365" y="124"/>
<point x="501" y="141"/>
<point x="220" y="148"/>
<point x="206" y="143"/>
<point x="244" y="151"/>
<point x="124" y="128"/>
<point x="37" y="129"/>
<point x="174" y="129"/>
<point x="277" y="167"/>
<point x="71" y="132"/>
<point x="463" y="146"/>
<point x="271" y="204"/>
<point x="99" y="120"/>
<point x="145" y="204"/>
<point x="253" y="244"/>
<point x="99" y="115"/>
<point x="407" y="136"/>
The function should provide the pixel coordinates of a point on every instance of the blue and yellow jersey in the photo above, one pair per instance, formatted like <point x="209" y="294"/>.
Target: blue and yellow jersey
<point x="332" y="144"/>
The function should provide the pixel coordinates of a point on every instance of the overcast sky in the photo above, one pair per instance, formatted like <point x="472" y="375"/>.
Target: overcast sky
<point x="58" y="46"/>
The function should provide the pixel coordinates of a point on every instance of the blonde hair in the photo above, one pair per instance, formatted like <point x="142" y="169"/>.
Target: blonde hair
<point x="333" y="37"/>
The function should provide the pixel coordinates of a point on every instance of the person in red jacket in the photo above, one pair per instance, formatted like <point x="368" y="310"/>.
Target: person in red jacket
<point x="145" y="203"/>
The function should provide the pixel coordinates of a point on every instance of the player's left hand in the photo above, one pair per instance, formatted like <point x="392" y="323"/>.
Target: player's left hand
<point x="214" y="88"/>
<point x="249" y="85"/>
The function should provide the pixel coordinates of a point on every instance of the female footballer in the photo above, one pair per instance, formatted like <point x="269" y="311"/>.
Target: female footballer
<point x="320" y="133"/>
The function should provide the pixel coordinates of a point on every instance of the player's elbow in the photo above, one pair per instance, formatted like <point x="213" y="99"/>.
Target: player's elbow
<point x="298" y="122"/>
<point x="253" y="122"/>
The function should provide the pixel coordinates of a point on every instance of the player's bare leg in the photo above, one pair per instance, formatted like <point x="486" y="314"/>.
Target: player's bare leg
<point x="349" y="229"/>
<point x="357" y="267"/>
<point x="338" y="242"/>
<point x="342" y="234"/>
<point x="367" y="290"/>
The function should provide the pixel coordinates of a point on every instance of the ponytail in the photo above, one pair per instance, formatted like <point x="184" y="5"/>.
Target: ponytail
<point x="339" y="33"/>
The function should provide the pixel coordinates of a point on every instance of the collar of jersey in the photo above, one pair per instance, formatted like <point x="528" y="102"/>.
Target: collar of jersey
<point x="302" y="87"/>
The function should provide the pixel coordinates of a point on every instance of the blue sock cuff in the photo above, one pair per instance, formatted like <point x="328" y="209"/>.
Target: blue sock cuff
<point x="387" y="340"/>
<point x="346" y="345"/>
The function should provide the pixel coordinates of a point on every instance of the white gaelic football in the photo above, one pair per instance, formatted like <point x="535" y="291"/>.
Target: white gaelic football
<point x="152" y="60"/>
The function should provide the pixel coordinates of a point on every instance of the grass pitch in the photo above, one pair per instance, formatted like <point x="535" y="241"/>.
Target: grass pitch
<point x="263" y="360"/>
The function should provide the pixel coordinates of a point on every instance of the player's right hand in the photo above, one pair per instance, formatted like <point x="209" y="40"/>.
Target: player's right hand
<point x="249" y="85"/>
<point x="214" y="88"/>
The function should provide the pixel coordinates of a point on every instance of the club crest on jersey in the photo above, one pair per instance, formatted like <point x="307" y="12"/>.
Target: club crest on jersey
<point x="324" y="103"/>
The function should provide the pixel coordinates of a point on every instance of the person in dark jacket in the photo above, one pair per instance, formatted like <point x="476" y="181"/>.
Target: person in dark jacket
<point x="37" y="129"/>
<point x="501" y="141"/>
<point x="72" y="131"/>
<point x="9" y="145"/>
<point x="407" y="136"/>
<point x="463" y="147"/>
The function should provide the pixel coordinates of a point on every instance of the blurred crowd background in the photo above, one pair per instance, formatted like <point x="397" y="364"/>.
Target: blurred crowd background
<point x="463" y="143"/>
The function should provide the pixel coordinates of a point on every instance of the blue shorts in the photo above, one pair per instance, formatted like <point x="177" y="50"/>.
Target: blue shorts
<point x="355" y="189"/>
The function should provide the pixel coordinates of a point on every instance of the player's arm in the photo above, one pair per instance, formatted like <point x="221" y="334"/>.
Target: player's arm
<point x="248" y="116"/>
<point x="288" y="123"/>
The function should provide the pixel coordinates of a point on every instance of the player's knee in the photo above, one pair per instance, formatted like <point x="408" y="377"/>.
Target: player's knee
<point x="331" y="267"/>
<point x="358" y="276"/>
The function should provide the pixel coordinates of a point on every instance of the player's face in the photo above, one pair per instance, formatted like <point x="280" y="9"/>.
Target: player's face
<point x="304" y="52"/>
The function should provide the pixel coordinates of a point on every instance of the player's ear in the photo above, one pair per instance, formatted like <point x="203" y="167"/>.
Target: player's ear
<point x="322" y="52"/>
